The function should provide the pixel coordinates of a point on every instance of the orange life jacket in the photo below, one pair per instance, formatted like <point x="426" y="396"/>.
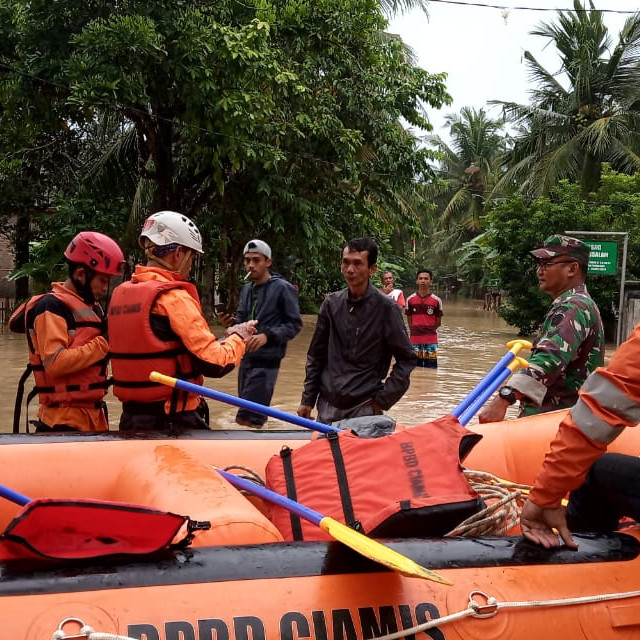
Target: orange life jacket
<point x="136" y="350"/>
<point x="85" y="388"/>
<point x="407" y="484"/>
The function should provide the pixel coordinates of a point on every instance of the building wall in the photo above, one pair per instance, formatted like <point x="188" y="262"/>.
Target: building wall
<point x="7" y="288"/>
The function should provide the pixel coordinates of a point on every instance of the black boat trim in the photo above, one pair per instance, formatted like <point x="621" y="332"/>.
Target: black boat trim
<point x="298" y="559"/>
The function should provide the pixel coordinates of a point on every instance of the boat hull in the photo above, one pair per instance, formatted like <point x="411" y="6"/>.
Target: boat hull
<point x="290" y="591"/>
<point x="320" y="590"/>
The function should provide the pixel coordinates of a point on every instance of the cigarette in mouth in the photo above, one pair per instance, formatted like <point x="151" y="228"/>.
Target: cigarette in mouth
<point x="246" y="275"/>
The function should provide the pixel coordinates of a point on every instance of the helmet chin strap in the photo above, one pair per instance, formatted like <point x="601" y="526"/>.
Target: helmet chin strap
<point x="84" y="288"/>
<point x="149" y="252"/>
<point x="187" y="255"/>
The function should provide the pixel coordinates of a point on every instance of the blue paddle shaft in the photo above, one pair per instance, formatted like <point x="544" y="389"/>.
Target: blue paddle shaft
<point x="471" y="411"/>
<point x="482" y="386"/>
<point x="254" y="406"/>
<point x="14" y="496"/>
<point x="272" y="496"/>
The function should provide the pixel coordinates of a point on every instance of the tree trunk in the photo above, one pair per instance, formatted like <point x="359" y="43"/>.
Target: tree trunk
<point x="21" y="252"/>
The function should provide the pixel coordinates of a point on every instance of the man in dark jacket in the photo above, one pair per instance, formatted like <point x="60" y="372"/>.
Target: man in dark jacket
<point x="358" y="332"/>
<point x="273" y="302"/>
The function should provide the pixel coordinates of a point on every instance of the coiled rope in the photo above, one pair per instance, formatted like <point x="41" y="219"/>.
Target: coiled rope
<point x="504" y="501"/>
<point x="249" y="474"/>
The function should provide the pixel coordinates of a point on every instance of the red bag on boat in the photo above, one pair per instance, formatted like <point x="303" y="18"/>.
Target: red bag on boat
<point x="74" y="529"/>
<point x="407" y="484"/>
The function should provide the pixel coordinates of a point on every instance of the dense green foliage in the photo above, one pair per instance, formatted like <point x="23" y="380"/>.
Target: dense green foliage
<point x="277" y="119"/>
<point x="586" y="113"/>
<point x="283" y="119"/>
<point x="514" y="227"/>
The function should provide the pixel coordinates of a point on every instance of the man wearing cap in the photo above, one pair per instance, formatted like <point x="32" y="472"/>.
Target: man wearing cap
<point x="273" y="302"/>
<point x="570" y="342"/>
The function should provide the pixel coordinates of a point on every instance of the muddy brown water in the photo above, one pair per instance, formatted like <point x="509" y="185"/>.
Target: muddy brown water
<point x="471" y="342"/>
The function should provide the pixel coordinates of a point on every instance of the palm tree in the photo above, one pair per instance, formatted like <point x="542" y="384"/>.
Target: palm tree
<point x="569" y="132"/>
<point x="469" y="169"/>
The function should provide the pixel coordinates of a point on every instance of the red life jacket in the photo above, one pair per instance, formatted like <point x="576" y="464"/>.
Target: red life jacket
<point x="85" y="388"/>
<point x="407" y="484"/>
<point x="136" y="350"/>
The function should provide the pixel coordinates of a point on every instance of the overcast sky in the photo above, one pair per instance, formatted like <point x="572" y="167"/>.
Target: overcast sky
<point x="482" y="52"/>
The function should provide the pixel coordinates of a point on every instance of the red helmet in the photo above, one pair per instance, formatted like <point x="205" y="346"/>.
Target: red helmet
<point x="96" y="251"/>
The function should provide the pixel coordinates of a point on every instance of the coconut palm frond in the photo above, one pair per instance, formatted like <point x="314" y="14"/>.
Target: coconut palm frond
<point x="397" y="7"/>
<point x="567" y="132"/>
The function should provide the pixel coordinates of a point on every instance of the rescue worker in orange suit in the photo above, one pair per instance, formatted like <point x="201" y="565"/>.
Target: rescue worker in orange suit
<point x="156" y="324"/>
<point x="604" y="486"/>
<point x="66" y="337"/>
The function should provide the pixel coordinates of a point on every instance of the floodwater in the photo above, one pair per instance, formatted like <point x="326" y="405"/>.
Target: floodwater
<point x="471" y="342"/>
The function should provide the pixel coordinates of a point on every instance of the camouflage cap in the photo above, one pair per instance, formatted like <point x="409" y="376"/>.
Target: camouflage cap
<point x="563" y="246"/>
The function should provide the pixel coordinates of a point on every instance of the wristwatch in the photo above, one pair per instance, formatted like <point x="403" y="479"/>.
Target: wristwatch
<point x="508" y="394"/>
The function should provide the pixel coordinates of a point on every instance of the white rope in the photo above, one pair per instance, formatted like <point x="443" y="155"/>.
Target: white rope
<point x="437" y="622"/>
<point x="493" y="605"/>
<point x="96" y="635"/>
<point x="86" y="632"/>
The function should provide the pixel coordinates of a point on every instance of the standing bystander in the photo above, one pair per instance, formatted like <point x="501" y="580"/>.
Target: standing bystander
<point x="273" y="302"/>
<point x="358" y="333"/>
<point x="424" y="311"/>
<point x="389" y="289"/>
<point x="570" y="342"/>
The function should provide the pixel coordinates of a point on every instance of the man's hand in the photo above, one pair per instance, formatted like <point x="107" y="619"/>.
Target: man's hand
<point x="387" y="288"/>
<point x="304" y="411"/>
<point x="495" y="411"/>
<point x="245" y="329"/>
<point x="225" y="318"/>
<point x="256" y="342"/>
<point x="538" y="525"/>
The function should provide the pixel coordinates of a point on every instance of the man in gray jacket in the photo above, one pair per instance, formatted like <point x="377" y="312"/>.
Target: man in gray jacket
<point x="273" y="302"/>
<point x="358" y="333"/>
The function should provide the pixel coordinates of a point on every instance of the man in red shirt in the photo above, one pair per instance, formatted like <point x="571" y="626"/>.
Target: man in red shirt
<point x="424" y="311"/>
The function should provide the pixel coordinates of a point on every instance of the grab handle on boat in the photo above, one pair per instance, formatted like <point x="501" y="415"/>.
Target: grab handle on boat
<point x="357" y="541"/>
<point x="183" y="385"/>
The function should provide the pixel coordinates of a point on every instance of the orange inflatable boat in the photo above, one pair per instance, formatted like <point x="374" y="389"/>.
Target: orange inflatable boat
<point x="239" y="580"/>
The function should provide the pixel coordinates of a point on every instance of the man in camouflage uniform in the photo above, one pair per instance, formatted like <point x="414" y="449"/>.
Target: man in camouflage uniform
<point x="570" y="342"/>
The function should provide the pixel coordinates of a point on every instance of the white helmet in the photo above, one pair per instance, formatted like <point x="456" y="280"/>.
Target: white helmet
<point x="170" y="227"/>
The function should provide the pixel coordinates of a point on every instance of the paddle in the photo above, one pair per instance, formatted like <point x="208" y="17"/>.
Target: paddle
<point x="183" y="385"/>
<point x="483" y="389"/>
<point x="14" y="496"/>
<point x="357" y="541"/>
<point x="497" y="380"/>
<point x="514" y="346"/>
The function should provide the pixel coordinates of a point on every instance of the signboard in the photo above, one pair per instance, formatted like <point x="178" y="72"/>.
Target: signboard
<point x="603" y="259"/>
